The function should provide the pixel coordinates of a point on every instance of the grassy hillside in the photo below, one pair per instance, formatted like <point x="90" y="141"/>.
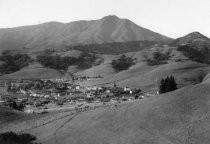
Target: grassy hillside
<point x="140" y="75"/>
<point x="181" y="117"/>
<point x="34" y="71"/>
<point x="144" y="76"/>
<point x="8" y="116"/>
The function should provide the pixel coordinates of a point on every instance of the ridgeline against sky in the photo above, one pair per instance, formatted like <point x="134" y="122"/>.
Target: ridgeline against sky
<point x="173" y="18"/>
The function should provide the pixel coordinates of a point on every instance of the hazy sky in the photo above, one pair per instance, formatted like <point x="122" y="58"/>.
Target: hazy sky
<point x="172" y="18"/>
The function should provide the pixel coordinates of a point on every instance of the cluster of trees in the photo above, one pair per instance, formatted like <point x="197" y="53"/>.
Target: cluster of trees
<point x="195" y="53"/>
<point x="13" y="138"/>
<point x="55" y="62"/>
<point x="86" y="60"/>
<point x="168" y="84"/>
<point x="19" y="107"/>
<point x="158" y="58"/>
<point x="62" y="63"/>
<point x="13" y="63"/>
<point x="123" y="63"/>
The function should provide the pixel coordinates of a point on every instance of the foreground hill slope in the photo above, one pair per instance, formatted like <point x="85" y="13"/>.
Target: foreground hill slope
<point x="180" y="117"/>
<point x="8" y="115"/>
<point x="59" y="35"/>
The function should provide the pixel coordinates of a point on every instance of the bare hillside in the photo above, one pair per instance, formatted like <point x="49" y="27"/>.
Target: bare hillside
<point x="173" y="118"/>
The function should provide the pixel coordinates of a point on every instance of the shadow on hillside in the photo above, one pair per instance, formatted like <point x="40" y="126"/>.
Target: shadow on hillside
<point x="13" y="138"/>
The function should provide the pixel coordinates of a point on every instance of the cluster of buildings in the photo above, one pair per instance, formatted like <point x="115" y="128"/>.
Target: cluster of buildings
<point x="59" y="91"/>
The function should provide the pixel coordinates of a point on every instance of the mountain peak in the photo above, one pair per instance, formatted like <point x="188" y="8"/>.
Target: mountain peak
<point x="113" y="17"/>
<point x="194" y="37"/>
<point x="57" y="35"/>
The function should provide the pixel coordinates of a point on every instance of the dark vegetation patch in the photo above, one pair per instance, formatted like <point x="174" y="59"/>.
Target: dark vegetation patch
<point x="195" y="53"/>
<point x="168" y="84"/>
<point x="123" y="63"/>
<point x="85" y="60"/>
<point x="13" y="63"/>
<point x="8" y="115"/>
<point x="13" y="138"/>
<point x="158" y="58"/>
<point x="15" y="106"/>
<point x="115" y="47"/>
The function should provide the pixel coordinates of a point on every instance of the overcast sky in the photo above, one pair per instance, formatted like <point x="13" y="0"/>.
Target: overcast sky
<point x="173" y="18"/>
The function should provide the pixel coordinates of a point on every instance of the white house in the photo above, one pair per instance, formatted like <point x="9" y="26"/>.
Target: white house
<point x="127" y="89"/>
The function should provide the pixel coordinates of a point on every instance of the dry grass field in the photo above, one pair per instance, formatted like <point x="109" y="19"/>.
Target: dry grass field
<point x="179" y="117"/>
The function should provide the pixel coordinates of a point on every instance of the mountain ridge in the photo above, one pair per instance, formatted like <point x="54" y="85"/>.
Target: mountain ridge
<point x="58" y="35"/>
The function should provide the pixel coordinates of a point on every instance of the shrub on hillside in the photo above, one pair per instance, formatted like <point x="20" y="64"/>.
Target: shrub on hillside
<point x="12" y="63"/>
<point x="55" y="62"/>
<point x="13" y="138"/>
<point x="158" y="58"/>
<point x="123" y="63"/>
<point x="19" y="107"/>
<point x="86" y="60"/>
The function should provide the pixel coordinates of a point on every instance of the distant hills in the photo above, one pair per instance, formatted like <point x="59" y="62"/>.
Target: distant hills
<point x="195" y="46"/>
<point x="195" y="38"/>
<point x="57" y="35"/>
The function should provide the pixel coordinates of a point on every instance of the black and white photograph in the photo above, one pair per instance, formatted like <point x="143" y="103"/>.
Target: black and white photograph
<point x="104" y="71"/>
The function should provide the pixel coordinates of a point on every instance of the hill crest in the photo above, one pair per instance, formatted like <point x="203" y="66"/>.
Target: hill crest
<point x="58" y="35"/>
<point x="193" y="38"/>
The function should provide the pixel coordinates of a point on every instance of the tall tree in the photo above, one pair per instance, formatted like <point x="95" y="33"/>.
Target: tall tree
<point x="168" y="84"/>
<point x="173" y="83"/>
<point x="162" y="86"/>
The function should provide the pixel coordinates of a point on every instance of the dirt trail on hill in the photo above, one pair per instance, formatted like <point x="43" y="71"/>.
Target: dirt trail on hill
<point x="61" y="126"/>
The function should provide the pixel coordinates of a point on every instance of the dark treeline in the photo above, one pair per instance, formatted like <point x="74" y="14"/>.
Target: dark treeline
<point x="168" y="84"/>
<point x="196" y="53"/>
<point x="123" y="63"/>
<point x="56" y="62"/>
<point x="115" y="47"/>
<point x="62" y="63"/>
<point x="13" y="63"/>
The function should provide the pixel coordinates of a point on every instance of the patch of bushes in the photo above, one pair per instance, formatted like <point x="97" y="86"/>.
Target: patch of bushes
<point x="19" y="107"/>
<point x="195" y="53"/>
<point x="13" y="63"/>
<point x="86" y="60"/>
<point x="158" y="58"/>
<point x="123" y="63"/>
<point x="62" y="63"/>
<point x="13" y="138"/>
<point x="55" y="62"/>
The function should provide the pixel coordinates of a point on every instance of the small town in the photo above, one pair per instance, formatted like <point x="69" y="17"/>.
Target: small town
<point x="45" y="95"/>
